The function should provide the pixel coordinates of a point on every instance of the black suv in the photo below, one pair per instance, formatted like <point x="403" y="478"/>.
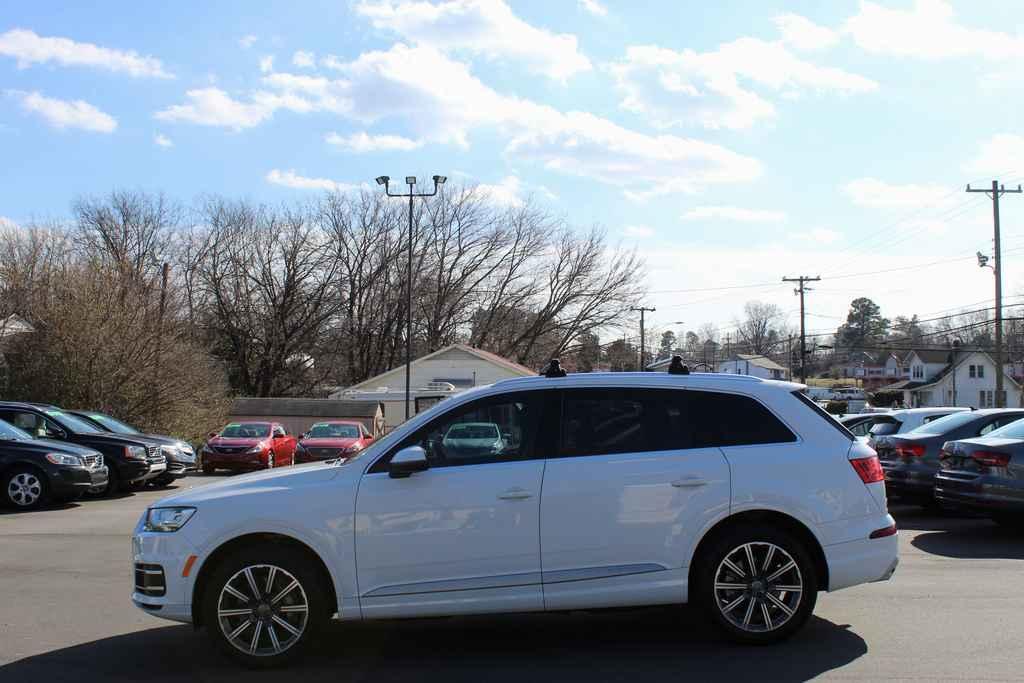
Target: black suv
<point x="180" y="455"/>
<point x="35" y="471"/>
<point x="130" y="460"/>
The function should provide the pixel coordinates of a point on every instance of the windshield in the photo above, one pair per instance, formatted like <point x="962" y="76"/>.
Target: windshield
<point x="72" y="423"/>
<point x="246" y="430"/>
<point x="946" y="424"/>
<point x="326" y="430"/>
<point x="112" y="424"/>
<point x="473" y="431"/>
<point x="9" y="432"/>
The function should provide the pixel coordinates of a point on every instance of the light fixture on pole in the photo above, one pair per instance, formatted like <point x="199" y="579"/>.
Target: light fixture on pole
<point x="411" y="182"/>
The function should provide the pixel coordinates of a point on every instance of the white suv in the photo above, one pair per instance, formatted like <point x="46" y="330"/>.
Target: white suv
<point x="586" y="491"/>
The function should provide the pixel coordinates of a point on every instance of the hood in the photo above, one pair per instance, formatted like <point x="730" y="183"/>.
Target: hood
<point x="47" y="446"/>
<point x="163" y="439"/>
<point x="335" y="442"/>
<point x="111" y="439"/>
<point x="293" y="477"/>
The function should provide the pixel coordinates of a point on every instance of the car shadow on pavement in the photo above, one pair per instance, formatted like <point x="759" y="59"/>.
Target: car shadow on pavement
<point x="959" y="535"/>
<point x="653" y="644"/>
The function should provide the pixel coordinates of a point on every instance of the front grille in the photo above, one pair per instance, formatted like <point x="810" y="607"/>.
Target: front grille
<point x="154" y="456"/>
<point x="92" y="461"/>
<point x="324" y="452"/>
<point x="149" y="580"/>
<point x="230" y="450"/>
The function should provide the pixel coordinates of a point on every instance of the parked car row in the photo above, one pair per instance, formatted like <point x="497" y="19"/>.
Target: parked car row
<point x="48" y="453"/>
<point x="247" y="446"/>
<point x="965" y="459"/>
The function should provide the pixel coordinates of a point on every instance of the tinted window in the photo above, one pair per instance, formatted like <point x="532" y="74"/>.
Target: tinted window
<point x="326" y="430"/>
<point x="602" y="422"/>
<point x="883" y="428"/>
<point x="246" y="430"/>
<point x="72" y="423"/>
<point x="1014" y="430"/>
<point x="490" y="430"/>
<point x="36" y="425"/>
<point x="11" y="432"/>
<point x="733" y="420"/>
<point x="947" y="423"/>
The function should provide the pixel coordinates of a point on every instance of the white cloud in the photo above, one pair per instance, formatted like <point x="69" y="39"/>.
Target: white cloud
<point x="734" y="213"/>
<point x="247" y="41"/>
<point x="29" y="48"/>
<point x="638" y="231"/>
<point x="439" y="101"/>
<point x="162" y="140"/>
<point x="485" y="27"/>
<point x="267" y="63"/>
<point x="214" y="107"/>
<point x="304" y="59"/>
<point x="818" y="236"/>
<point x="803" y="34"/>
<point x="1000" y="154"/>
<point x="875" y="193"/>
<point x="928" y="30"/>
<point x="713" y="89"/>
<point x="594" y="7"/>
<point x="364" y="142"/>
<point x="506" y="192"/>
<point x="63" y="114"/>
<point x="291" y="179"/>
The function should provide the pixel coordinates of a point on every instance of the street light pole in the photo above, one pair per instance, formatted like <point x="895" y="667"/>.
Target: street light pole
<point x="411" y="181"/>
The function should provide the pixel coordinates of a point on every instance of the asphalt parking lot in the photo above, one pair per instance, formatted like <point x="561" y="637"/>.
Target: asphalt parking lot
<point x="953" y="611"/>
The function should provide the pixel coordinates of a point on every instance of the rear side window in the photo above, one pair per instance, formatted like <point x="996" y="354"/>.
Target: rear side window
<point x="818" y="410"/>
<point x="734" y="420"/>
<point x="600" y="422"/>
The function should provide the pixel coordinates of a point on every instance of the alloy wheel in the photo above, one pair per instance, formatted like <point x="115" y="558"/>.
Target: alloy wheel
<point x="758" y="587"/>
<point x="24" y="489"/>
<point x="262" y="610"/>
<point x="270" y="461"/>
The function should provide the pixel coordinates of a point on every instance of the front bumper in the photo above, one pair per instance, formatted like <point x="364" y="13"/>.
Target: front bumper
<point x="168" y="553"/>
<point x="70" y="481"/>
<point x="238" y="463"/>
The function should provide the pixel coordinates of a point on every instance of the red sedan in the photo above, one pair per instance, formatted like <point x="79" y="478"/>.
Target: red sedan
<point x="245" y="446"/>
<point x="335" y="439"/>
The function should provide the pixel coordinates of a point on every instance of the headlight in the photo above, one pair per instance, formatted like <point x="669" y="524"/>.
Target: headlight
<point x="136" y="452"/>
<point x="352" y="449"/>
<point x="254" y="450"/>
<point x="185" y="448"/>
<point x="64" y="459"/>
<point x="168" y="519"/>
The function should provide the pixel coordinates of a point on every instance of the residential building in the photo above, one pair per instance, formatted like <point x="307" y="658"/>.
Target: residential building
<point x="969" y="380"/>
<point x="434" y="377"/>
<point x="755" y="365"/>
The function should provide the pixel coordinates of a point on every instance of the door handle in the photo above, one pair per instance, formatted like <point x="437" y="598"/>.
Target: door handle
<point x="515" y="494"/>
<point x="690" y="482"/>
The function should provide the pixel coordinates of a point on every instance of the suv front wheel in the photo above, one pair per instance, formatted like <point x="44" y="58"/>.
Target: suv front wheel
<point x="758" y="584"/>
<point x="264" y="605"/>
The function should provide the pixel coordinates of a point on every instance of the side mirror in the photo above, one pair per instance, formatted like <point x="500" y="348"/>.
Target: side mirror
<point x="211" y="435"/>
<point x="407" y="461"/>
<point x="302" y="436"/>
<point x="278" y="436"/>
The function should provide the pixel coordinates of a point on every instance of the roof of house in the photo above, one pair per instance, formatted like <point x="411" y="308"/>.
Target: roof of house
<point x="931" y="355"/>
<point x="304" y="407"/>
<point x="487" y="356"/>
<point x="759" y="361"/>
<point x="903" y="385"/>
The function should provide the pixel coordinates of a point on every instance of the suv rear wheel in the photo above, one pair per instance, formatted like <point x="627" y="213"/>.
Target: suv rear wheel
<point x="757" y="583"/>
<point x="264" y="605"/>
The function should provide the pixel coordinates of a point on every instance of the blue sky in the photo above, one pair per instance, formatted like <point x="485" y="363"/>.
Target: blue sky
<point x="731" y="143"/>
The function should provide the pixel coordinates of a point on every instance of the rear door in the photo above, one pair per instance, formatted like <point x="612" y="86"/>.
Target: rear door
<point x="625" y="498"/>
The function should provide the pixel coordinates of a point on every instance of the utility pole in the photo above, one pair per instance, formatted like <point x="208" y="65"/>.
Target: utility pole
<point x="642" y="310"/>
<point x="801" y="288"/>
<point x="994" y="194"/>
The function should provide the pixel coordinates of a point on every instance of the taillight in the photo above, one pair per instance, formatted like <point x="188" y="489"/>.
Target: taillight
<point x="914" y="450"/>
<point x="869" y="469"/>
<point x="991" y="458"/>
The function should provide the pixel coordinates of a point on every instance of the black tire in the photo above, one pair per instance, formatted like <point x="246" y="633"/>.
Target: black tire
<point x="258" y="559"/>
<point x="163" y="481"/>
<point x="25" y="488"/>
<point x="114" y="483"/>
<point x="208" y="469"/>
<point x="762" y="615"/>
<point x="270" y="461"/>
<point x="1009" y="520"/>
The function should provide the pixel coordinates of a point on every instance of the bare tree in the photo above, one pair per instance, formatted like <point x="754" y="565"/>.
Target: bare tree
<point x="759" y="331"/>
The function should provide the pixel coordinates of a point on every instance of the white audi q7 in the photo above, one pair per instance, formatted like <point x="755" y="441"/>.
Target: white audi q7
<point x="607" y="490"/>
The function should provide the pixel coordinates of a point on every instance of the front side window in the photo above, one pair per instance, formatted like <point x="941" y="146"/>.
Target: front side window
<point x="499" y="429"/>
<point x="112" y="424"/>
<point x="604" y="422"/>
<point x="72" y="423"/>
<point x="37" y="426"/>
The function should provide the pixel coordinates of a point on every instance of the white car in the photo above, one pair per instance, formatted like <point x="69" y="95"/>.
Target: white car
<point x="905" y="420"/>
<point x="621" y="489"/>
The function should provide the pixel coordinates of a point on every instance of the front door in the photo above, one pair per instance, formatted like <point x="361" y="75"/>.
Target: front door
<point x="626" y="499"/>
<point x="462" y="536"/>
